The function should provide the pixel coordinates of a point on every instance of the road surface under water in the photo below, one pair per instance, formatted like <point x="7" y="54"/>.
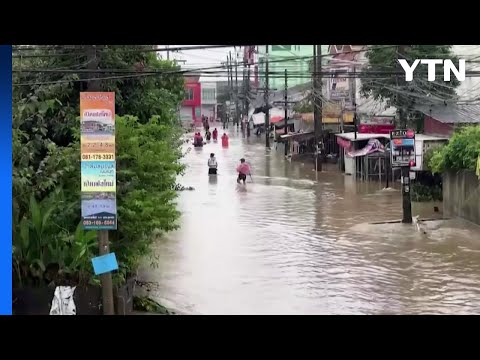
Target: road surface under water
<point x="287" y="244"/>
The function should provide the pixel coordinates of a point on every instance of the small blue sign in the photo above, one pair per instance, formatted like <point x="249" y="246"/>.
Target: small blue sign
<point x="105" y="263"/>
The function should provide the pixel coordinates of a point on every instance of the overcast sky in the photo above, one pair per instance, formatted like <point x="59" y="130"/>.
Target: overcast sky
<point x="200" y="58"/>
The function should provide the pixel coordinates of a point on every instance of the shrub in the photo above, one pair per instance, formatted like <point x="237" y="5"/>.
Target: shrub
<point x="461" y="152"/>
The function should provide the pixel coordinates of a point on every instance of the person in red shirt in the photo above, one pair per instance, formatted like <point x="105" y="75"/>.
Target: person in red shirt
<point x="225" y="140"/>
<point x="243" y="170"/>
<point x="215" y="134"/>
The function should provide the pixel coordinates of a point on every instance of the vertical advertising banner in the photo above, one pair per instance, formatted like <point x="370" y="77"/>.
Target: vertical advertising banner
<point x="98" y="196"/>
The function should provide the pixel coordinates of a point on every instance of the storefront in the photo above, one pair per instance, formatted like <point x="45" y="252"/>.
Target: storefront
<point x="350" y="143"/>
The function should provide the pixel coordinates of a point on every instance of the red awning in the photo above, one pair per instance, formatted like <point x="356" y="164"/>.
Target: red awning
<point x="276" y="119"/>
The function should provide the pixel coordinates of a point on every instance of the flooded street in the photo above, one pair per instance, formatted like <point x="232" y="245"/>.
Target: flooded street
<point x="287" y="244"/>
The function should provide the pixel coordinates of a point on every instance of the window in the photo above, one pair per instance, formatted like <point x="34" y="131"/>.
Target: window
<point x="188" y="94"/>
<point x="208" y="94"/>
<point x="281" y="47"/>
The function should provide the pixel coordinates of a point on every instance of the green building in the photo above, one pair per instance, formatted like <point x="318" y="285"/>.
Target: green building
<point x="295" y="58"/>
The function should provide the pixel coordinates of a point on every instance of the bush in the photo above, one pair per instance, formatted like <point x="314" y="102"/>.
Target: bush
<point x="461" y="152"/>
<point x="147" y="167"/>
<point x="421" y="193"/>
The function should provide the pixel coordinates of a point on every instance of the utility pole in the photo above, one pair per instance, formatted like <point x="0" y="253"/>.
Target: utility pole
<point x="168" y="52"/>
<point x="354" y="100"/>
<point x="230" y="78"/>
<point x="103" y="242"/>
<point x="225" y="120"/>
<point x="317" y="112"/>
<point x="406" y="197"/>
<point x="247" y="100"/>
<point x="228" y="72"/>
<point x="237" y="110"/>
<point x="231" y="82"/>
<point x="286" y="111"/>
<point x="267" y="110"/>
<point x="244" y="91"/>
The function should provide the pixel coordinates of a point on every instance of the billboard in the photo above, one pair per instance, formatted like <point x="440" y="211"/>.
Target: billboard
<point x="98" y="164"/>
<point x="339" y="85"/>
<point x="376" y="124"/>
<point x="402" y="148"/>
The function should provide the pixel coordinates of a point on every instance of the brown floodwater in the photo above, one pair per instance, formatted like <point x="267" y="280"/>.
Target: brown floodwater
<point x="296" y="242"/>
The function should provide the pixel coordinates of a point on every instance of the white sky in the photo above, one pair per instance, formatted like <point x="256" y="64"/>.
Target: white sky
<point x="200" y="58"/>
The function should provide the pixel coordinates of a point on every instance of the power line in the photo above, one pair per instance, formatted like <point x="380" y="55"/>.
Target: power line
<point x="183" y="48"/>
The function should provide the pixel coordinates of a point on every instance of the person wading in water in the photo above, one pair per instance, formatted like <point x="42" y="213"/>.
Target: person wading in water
<point x="212" y="165"/>
<point x="243" y="170"/>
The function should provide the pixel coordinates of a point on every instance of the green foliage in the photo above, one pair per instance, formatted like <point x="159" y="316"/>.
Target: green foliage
<point x="428" y="155"/>
<point x="142" y="96"/>
<point x="145" y="304"/>
<point x="46" y="161"/>
<point x="422" y="193"/>
<point x="44" y="252"/>
<point x="400" y="93"/>
<point x="147" y="167"/>
<point x="304" y="106"/>
<point x="461" y="152"/>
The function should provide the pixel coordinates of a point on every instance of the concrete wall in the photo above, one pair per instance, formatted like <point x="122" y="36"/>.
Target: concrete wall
<point x="461" y="195"/>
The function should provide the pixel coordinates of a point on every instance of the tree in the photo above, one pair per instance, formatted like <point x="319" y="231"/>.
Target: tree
<point x="305" y="105"/>
<point x="46" y="147"/>
<point x="461" y="152"/>
<point x="390" y="86"/>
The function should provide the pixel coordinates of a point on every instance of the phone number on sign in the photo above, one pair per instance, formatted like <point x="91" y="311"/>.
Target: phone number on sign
<point x="98" y="222"/>
<point x="98" y="157"/>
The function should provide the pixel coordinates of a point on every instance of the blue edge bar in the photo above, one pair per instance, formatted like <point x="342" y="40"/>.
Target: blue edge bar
<point x="6" y="179"/>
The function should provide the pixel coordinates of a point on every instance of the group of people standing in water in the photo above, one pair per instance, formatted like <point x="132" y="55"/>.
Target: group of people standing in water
<point x="243" y="169"/>
<point x="199" y="141"/>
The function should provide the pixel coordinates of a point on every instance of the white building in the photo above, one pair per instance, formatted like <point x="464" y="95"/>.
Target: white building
<point x="209" y="97"/>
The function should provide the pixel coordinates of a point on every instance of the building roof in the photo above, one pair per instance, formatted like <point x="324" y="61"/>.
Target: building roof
<point x="452" y="114"/>
<point x="351" y="136"/>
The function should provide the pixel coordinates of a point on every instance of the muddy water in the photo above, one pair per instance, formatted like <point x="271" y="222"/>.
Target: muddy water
<point x="289" y="244"/>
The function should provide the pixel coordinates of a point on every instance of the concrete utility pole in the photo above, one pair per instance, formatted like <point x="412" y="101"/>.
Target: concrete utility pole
<point x="103" y="242"/>
<point x="267" y="105"/>
<point x="237" y="110"/>
<point x="247" y="100"/>
<point x="233" y="97"/>
<point x="317" y="110"/>
<point x="286" y="111"/>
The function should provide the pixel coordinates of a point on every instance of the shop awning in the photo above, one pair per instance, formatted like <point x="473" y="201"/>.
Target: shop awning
<point x="298" y="136"/>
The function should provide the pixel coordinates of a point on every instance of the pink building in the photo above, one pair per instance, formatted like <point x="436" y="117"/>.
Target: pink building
<point x="191" y="109"/>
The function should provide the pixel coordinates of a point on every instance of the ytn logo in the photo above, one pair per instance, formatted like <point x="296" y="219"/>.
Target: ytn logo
<point x="448" y="67"/>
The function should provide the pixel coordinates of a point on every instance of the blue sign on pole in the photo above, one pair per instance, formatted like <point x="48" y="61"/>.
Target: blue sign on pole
<point x="104" y="264"/>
